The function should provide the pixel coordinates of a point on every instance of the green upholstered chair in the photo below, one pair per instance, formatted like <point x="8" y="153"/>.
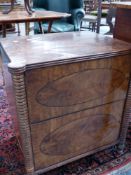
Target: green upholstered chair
<point x="74" y="7"/>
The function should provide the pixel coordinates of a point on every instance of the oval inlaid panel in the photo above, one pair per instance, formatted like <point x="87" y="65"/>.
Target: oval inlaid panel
<point x="80" y="135"/>
<point x="80" y="87"/>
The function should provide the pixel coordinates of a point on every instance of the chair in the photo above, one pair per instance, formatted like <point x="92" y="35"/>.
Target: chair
<point x="4" y="4"/>
<point x="91" y="16"/>
<point x="89" y="20"/>
<point x="110" y="20"/>
<point x="74" y="7"/>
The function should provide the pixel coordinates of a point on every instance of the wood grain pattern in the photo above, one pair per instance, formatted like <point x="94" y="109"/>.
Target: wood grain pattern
<point x="82" y="100"/>
<point x="66" y="137"/>
<point x="53" y="49"/>
<point x="117" y="84"/>
<point x="71" y="93"/>
<point x="98" y="127"/>
<point x="62" y="92"/>
<point x="122" y="28"/>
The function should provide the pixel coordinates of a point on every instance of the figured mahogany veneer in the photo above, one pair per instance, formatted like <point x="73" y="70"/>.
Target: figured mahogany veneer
<point x="122" y="28"/>
<point x="72" y="95"/>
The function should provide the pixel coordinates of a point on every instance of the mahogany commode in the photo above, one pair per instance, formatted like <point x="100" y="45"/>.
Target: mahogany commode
<point x="73" y="95"/>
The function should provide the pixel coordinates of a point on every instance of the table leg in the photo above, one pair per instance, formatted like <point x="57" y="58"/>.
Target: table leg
<point x="27" y="28"/>
<point x="122" y="28"/>
<point x="4" y="30"/>
<point x="49" y="27"/>
<point x="40" y="27"/>
<point x="18" y="26"/>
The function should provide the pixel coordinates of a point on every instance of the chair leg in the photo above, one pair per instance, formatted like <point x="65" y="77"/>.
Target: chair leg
<point x="81" y="25"/>
<point x="4" y="30"/>
<point x="94" y="26"/>
<point x="90" y="25"/>
<point x="18" y="26"/>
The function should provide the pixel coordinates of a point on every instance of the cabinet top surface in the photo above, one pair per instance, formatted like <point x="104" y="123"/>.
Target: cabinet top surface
<point x="53" y="49"/>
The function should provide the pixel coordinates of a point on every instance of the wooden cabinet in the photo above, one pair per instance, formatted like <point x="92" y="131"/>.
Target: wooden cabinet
<point x="122" y="27"/>
<point x="72" y="95"/>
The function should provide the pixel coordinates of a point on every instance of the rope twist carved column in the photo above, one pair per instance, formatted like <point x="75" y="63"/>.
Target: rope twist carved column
<point x="22" y="112"/>
<point x="126" y="118"/>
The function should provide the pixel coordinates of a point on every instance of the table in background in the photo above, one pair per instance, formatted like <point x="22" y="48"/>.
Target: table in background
<point x="23" y="17"/>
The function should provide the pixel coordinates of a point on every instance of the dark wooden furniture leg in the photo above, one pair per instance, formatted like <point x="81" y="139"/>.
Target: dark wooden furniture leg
<point x="110" y="15"/>
<point x="50" y="25"/>
<point x="18" y="26"/>
<point x="27" y="28"/>
<point x="40" y="27"/>
<point x="4" y="30"/>
<point x="122" y="28"/>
